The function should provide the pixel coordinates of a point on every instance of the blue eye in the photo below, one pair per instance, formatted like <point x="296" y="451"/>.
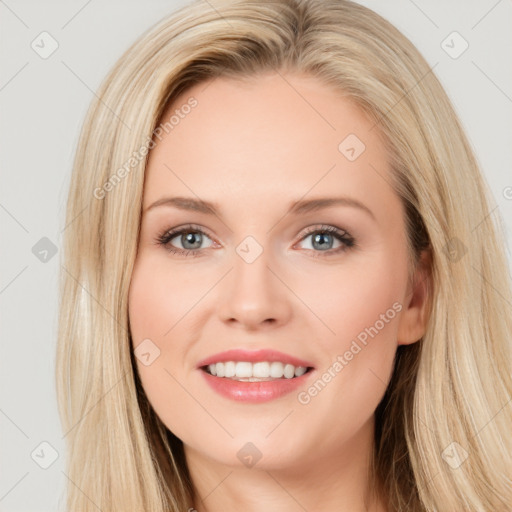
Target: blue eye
<point x="324" y="237"/>
<point x="191" y="238"/>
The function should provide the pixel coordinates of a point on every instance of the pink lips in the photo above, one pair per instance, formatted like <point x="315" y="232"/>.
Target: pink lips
<point x="253" y="392"/>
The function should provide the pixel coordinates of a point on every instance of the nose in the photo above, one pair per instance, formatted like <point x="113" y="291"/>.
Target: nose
<point x="254" y="296"/>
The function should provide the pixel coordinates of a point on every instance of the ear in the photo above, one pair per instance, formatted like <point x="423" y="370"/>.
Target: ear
<point x="417" y="302"/>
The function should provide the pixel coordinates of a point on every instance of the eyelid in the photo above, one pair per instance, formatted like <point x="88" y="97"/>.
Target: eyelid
<point x="342" y="235"/>
<point x="324" y="228"/>
<point x="173" y="232"/>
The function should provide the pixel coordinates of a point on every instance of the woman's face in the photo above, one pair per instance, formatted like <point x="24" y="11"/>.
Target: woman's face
<point x="270" y="265"/>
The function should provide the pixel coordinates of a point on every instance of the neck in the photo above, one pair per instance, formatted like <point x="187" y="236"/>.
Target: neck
<point x="324" y="481"/>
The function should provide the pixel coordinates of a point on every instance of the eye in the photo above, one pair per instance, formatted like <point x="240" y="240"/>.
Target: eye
<point x="190" y="237"/>
<point x="324" y="237"/>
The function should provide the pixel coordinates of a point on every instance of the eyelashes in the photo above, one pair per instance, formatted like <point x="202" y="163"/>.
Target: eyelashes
<point x="343" y="237"/>
<point x="347" y="241"/>
<point x="165" y="238"/>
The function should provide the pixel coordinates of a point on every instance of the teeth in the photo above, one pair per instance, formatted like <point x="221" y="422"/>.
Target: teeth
<point x="229" y="369"/>
<point x="253" y="372"/>
<point x="300" y="370"/>
<point x="261" y="370"/>
<point x="242" y="369"/>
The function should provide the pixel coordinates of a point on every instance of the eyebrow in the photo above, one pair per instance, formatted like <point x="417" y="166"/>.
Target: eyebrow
<point x="296" y="207"/>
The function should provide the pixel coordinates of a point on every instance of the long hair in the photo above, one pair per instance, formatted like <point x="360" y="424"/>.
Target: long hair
<point x="442" y="436"/>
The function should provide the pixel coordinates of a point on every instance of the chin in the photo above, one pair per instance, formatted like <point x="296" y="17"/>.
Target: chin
<point x="252" y="452"/>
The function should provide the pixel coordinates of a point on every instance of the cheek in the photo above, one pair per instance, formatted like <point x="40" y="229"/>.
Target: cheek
<point x="155" y="311"/>
<point x="164" y="305"/>
<point x="354" y="295"/>
<point x="159" y="297"/>
<point x="361" y="305"/>
<point x="152" y="311"/>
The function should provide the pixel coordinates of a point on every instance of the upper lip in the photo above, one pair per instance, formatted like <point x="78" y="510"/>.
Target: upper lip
<point x="253" y="356"/>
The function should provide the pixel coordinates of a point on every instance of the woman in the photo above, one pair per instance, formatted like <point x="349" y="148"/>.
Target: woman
<point x="286" y="291"/>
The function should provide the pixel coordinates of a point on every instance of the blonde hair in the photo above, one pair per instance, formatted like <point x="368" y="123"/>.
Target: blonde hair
<point x="454" y="385"/>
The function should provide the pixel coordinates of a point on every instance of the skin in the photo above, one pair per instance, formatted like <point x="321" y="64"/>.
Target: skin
<point x="254" y="147"/>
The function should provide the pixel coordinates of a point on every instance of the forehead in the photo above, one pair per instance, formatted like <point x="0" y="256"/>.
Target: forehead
<point x="264" y="138"/>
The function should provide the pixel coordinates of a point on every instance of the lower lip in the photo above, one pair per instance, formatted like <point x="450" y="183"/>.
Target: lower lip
<point x="254" y="392"/>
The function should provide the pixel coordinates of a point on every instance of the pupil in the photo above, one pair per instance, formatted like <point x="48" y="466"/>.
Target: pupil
<point x="320" y="238"/>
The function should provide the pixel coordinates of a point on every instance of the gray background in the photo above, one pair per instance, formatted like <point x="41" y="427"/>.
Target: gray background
<point x="43" y="103"/>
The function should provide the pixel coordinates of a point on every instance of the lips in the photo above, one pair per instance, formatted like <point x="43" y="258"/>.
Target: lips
<point x="250" y="389"/>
